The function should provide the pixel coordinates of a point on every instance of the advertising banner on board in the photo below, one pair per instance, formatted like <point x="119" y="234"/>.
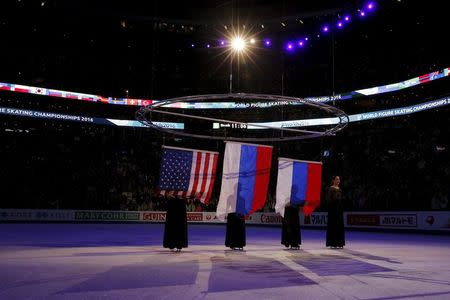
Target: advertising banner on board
<point x="426" y="220"/>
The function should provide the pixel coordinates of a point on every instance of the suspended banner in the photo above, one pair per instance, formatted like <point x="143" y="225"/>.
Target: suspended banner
<point x="82" y="119"/>
<point x="72" y="95"/>
<point x="399" y="111"/>
<point x="225" y="105"/>
<point x="386" y="113"/>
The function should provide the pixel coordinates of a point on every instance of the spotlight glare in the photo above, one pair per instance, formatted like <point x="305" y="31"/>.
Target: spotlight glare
<point x="340" y="24"/>
<point x="267" y="43"/>
<point x="222" y="42"/>
<point x="370" y="6"/>
<point x="362" y="13"/>
<point x="289" y="46"/>
<point x="301" y="43"/>
<point x="325" y="28"/>
<point x="347" y="18"/>
<point x="237" y="44"/>
<point x="252" y="41"/>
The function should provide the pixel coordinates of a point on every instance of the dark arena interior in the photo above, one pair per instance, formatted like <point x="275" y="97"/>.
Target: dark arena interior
<point x="104" y="104"/>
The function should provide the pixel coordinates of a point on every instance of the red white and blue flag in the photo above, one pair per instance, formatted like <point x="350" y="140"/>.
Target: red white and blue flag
<point x="187" y="173"/>
<point x="245" y="179"/>
<point x="299" y="183"/>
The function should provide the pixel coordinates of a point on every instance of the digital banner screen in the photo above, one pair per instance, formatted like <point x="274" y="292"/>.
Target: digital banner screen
<point x="224" y="105"/>
<point x="280" y="124"/>
<point x="82" y="119"/>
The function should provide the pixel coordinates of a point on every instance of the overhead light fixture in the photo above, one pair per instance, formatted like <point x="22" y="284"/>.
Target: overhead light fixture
<point x="238" y="44"/>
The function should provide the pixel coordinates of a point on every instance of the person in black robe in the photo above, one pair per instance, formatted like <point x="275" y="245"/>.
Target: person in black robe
<point x="290" y="228"/>
<point x="235" y="231"/>
<point x="335" y="225"/>
<point x="175" y="228"/>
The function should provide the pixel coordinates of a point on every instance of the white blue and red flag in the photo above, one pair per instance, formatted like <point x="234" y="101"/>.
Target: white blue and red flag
<point x="245" y="179"/>
<point x="299" y="184"/>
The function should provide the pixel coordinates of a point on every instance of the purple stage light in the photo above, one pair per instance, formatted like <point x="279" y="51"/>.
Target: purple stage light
<point x="340" y="24"/>
<point x="192" y="45"/>
<point x="207" y="46"/>
<point x="289" y="46"/>
<point x="301" y="43"/>
<point x="306" y="38"/>
<point x="267" y="43"/>
<point x="325" y="28"/>
<point x="370" y="6"/>
<point x="347" y="18"/>
<point x="362" y="14"/>
<point x="222" y="42"/>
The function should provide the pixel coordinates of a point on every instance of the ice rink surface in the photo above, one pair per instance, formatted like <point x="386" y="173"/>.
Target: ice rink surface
<point x="127" y="261"/>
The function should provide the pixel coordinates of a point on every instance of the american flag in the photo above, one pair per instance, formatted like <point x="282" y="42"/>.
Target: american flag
<point x="187" y="173"/>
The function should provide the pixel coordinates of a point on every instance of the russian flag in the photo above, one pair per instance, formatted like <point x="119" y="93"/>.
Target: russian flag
<point x="245" y="179"/>
<point x="55" y="93"/>
<point x="71" y="95"/>
<point x="299" y="183"/>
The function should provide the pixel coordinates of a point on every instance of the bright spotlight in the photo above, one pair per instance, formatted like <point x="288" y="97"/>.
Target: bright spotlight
<point x="238" y="44"/>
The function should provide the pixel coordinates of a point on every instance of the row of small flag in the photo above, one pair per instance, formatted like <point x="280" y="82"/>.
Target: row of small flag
<point x="72" y="95"/>
<point x="143" y="102"/>
<point x="189" y="173"/>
